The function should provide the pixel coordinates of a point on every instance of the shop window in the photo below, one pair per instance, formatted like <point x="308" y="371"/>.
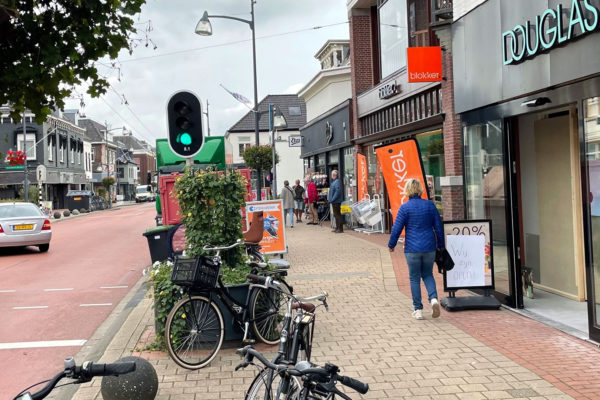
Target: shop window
<point x="348" y="174"/>
<point x="431" y="146"/>
<point x="485" y="189"/>
<point x="393" y="35"/>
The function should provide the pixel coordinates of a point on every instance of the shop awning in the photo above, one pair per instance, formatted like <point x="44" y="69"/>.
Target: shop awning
<point x="212" y="153"/>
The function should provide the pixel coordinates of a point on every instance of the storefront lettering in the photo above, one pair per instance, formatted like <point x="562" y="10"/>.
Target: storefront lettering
<point x="548" y="31"/>
<point x="400" y="172"/>
<point x="389" y="90"/>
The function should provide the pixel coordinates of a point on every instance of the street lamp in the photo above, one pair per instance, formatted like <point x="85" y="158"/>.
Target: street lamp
<point x="276" y="121"/>
<point x="204" y="28"/>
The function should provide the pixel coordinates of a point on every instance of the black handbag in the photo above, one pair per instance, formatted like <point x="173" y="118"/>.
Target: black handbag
<point x="443" y="260"/>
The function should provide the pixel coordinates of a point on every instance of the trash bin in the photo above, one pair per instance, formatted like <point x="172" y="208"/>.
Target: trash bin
<point x="78" y="199"/>
<point x="158" y="242"/>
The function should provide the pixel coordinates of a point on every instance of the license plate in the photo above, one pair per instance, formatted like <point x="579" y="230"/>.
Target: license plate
<point x="23" y="227"/>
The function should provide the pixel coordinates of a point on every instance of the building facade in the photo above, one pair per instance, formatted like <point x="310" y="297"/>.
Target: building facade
<point x="527" y="86"/>
<point x="58" y="144"/>
<point x="387" y="108"/>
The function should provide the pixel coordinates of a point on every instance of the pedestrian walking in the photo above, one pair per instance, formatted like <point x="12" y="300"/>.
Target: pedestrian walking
<point x="334" y="198"/>
<point x="424" y="233"/>
<point x="299" y="194"/>
<point x="312" y="196"/>
<point x="287" y="195"/>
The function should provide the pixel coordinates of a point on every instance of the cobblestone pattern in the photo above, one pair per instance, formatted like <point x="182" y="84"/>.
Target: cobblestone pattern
<point x="368" y="332"/>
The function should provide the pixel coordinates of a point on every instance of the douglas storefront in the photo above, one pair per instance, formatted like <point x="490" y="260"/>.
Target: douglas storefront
<point x="527" y="86"/>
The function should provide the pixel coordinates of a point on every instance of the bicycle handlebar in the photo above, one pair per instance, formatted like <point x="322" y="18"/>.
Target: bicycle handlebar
<point x="329" y="373"/>
<point x="81" y="374"/>
<point x="208" y="248"/>
<point x="269" y="282"/>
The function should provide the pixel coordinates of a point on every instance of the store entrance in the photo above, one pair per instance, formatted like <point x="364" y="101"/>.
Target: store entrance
<point x="550" y="216"/>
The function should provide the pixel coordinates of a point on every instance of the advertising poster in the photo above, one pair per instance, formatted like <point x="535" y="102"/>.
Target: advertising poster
<point x="470" y="246"/>
<point x="362" y="177"/>
<point x="400" y="162"/>
<point x="273" y="241"/>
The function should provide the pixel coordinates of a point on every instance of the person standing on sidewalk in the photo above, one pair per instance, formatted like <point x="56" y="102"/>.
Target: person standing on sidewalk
<point x="424" y="233"/>
<point x="334" y="197"/>
<point x="287" y="195"/>
<point x="312" y="195"/>
<point x="298" y="200"/>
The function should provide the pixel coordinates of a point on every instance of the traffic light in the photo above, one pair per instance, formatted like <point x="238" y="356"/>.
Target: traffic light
<point x="184" y="114"/>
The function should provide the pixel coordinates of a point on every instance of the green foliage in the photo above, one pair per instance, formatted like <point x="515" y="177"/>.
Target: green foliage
<point x="436" y="146"/>
<point x="166" y="294"/>
<point x="107" y="182"/>
<point x="33" y="194"/>
<point x="210" y="204"/>
<point x="49" y="47"/>
<point x="260" y="157"/>
<point x="102" y="192"/>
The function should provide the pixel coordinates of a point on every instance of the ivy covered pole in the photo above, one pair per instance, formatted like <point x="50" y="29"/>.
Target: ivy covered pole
<point x="26" y="181"/>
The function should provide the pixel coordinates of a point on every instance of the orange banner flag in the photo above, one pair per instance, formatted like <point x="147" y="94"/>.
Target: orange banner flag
<point x="362" y="175"/>
<point x="400" y="162"/>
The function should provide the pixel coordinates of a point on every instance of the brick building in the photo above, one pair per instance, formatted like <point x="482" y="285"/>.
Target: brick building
<point x="386" y="108"/>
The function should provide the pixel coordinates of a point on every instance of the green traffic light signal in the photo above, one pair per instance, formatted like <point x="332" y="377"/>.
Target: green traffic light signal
<point x="185" y="139"/>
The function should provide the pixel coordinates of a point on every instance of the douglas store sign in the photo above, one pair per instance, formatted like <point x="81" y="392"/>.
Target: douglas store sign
<point x="550" y="29"/>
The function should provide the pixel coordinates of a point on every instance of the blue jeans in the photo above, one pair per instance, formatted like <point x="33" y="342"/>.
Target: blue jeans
<point x="289" y="211"/>
<point x="420" y="266"/>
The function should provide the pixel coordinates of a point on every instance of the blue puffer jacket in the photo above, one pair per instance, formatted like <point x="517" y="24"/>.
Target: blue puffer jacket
<point x="423" y="225"/>
<point x="335" y="192"/>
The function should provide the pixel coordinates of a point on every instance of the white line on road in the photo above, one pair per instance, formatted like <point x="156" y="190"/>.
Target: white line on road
<point x="113" y="287"/>
<point x="29" y="307"/>
<point x="8" y="291"/>
<point x="95" y="305"/>
<point x="46" y="343"/>
<point x="58" y="290"/>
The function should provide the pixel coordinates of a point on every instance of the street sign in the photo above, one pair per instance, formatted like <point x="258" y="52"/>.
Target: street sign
<point x="295" y="141"/>
<point x="40" y="172"/>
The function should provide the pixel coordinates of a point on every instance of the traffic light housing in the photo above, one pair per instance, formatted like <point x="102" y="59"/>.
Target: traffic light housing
<point x="184" y="114"/>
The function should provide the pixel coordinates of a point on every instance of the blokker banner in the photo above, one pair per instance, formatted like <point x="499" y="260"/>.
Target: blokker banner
<point x="424" y="64"/>
<point x="363" y="191"/>
<point x="273" y="241"/>
<point x="400" y="162"/>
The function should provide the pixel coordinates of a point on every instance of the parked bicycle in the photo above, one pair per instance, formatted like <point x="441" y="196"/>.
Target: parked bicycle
<point x="295" y="345"/>
<point x="80" y="374"/>
<point x="194" y="329"/>
<point x="317" y="383"/>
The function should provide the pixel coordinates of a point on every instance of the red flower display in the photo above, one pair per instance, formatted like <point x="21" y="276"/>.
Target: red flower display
<point x="15" y="158"/>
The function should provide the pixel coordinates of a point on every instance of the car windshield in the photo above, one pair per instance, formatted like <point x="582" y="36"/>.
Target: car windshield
<point x="143" y="189"/>
<point x="19" y="210"/>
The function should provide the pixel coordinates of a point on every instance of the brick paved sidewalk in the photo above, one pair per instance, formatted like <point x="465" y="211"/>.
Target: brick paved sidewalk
<point x="368" y="332"/>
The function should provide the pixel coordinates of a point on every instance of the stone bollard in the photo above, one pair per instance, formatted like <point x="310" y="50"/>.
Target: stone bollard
<point x="57" y="215"/>
<point x="141" y="384"/>
<point x="66" y="213"/>
<point x="75" y="212"/>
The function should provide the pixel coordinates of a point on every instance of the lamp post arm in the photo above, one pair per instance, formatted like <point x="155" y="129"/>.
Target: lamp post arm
<point x="39" y="141"/>
<point x="249" y="22"/>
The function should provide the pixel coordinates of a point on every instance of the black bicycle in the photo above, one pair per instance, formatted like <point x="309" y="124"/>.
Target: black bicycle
<point x="79" y="374"/>
<point x="295" y="345"/>
<point x="194" y="329"/>
<point x="317" y="383"/>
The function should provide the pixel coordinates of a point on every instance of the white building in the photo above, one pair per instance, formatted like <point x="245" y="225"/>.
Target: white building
<point x="242" y="135"/>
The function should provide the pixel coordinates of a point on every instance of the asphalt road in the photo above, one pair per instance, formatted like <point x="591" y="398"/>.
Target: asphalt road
<point x="51" y="303"/>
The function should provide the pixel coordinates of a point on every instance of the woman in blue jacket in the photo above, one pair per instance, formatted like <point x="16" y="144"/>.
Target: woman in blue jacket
<point x="424" y="233"/>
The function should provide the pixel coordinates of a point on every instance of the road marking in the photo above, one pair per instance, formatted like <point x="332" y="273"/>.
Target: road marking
<point x="8" y="291"/>
<point x="114" y="287"/>
<point x="58" y="290"/>
<point x="95" y="305"/>
<point x="46" y="343"/>
<point x="29" y="307"/>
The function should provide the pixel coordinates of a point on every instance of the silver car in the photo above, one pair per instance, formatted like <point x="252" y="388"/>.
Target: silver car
<point x="24" y="224"/>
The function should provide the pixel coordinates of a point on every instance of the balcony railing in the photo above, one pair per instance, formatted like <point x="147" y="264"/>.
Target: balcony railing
<point x="441" y="11"/>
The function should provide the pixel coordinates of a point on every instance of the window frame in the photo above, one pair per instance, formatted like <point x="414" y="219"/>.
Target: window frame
<point x="405" y="27"/>
<point x="27" y="139"/>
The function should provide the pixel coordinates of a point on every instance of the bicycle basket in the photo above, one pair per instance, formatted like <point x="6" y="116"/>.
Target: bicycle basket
<point x="199" y="272"/>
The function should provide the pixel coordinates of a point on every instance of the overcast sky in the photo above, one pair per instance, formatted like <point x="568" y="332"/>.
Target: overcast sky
<point x="285" y="45"/>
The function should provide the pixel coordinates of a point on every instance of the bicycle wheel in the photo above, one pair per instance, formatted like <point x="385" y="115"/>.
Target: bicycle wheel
<point x="267" y="311"/>
<point x="258" y="387"/>
<point x="194" y="332"/>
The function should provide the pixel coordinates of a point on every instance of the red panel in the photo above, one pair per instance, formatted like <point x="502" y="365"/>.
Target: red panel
<point x="169" y="203"/>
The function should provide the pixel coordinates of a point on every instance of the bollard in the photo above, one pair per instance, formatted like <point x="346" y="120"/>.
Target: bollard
<point x="141" y="384"/>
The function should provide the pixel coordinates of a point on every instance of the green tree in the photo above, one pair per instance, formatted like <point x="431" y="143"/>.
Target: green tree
<point x="49" y="46"/>
<point x="260" y="157"/>
<point x="107" y="182"/>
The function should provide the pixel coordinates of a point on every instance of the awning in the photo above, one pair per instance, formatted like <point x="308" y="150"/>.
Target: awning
<point x="213" y="153"/>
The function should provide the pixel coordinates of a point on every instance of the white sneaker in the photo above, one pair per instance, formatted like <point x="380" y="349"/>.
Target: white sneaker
<point x="435" y="306"/>
<point x="417" y="314"/>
